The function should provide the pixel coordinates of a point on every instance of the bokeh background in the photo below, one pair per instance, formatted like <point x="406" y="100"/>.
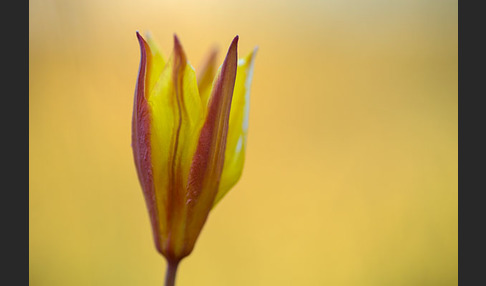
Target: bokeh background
<point x="351" y="168"/>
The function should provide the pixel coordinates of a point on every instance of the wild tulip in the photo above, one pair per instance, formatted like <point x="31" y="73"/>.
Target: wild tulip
<point x="188" y="140"/>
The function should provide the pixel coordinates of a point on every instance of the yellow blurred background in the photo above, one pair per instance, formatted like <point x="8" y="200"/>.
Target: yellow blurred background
<point x="351" y="168"/>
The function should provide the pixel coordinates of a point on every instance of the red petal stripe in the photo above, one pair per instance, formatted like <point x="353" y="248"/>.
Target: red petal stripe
<point x="141" y="139"/>
<point x="208" y="159"/>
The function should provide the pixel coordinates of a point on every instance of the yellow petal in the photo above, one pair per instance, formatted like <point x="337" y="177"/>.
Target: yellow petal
<point x="177" y="117"/>
<point x="205" y="76"/>
<point x="156" y="63"/>
<point x="238" y="127"/>
<point x="141" y="143"/>
<point x="208" y="160"/>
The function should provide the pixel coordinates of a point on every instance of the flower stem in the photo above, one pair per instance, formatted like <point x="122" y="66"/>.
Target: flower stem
<point x="170" y="275"/>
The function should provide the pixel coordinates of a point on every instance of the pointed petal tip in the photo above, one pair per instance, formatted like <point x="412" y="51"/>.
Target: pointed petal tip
<point x="212" y="56"/>
<point x="251" y="56"/>
<point x="141" y="40"/>
<point x="148" y="35"/>
<point x="255" y="50"/>
<point x="235" y="40"/>
<point x="177" y="42"/>
<point x="178" y="50"/>
<point x="233" y="48"/>
<point x="213" y="52"/>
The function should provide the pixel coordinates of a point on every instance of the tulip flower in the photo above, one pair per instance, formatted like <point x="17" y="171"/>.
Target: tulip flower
<point x="188" y="140"/>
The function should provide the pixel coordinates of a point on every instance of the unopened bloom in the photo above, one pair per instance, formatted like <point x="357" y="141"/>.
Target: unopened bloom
<point x="188" y="139"/>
